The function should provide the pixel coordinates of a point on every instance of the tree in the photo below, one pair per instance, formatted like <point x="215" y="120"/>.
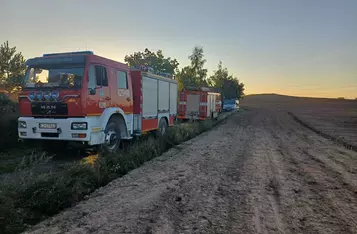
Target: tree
<point x="219" y="76"/>
<point x="151" y="59"/>
<point x="12" y="66"/>
<point x="229" y="86"/>
<point x="195" y="74"/>
<point x="197" y="63"/>
<point x="186" y="77"/>
<point x="241" y="90"/>
<point x="232" y="89"/>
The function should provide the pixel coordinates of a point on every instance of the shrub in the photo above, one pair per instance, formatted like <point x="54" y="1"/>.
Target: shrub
<point x="34" y="197"/>
<point x="8" y="123"/>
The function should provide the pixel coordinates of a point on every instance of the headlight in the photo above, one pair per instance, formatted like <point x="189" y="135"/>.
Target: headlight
<point x="22" y="124"/>
<point x="79" y="126"/>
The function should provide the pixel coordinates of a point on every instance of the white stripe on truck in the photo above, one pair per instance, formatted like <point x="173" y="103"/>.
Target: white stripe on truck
<point x="201" y="103"/>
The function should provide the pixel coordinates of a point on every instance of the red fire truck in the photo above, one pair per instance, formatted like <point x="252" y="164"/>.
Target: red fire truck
<point x="199" y="103"/>
<point x="80" y="96"/>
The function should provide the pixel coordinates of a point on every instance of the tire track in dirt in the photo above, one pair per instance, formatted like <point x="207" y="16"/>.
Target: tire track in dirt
<point x="325" y="135"/>
<point x="332" y="195"/>
<point x="339" y="162"/>
<point x="346" y="160"/>
<point x="209" y="195"/>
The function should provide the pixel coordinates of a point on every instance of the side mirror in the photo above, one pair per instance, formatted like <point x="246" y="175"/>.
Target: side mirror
<point x="92" y="91"/>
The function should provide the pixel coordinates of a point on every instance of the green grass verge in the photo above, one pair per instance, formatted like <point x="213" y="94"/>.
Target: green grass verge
<point x="31" y="198"/>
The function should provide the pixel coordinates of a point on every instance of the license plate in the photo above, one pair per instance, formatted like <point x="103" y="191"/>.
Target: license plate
<point x="48" y="125"/>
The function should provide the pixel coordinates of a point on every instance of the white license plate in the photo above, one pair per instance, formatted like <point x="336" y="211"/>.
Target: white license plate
<point x="48" y="125"/>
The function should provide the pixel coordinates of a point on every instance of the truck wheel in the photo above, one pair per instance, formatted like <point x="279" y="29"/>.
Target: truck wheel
<point x="162" y="127"/>
<point x="112" y="138"/>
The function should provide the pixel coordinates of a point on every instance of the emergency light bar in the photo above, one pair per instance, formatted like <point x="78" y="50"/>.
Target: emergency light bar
<point x="69" y="53"/>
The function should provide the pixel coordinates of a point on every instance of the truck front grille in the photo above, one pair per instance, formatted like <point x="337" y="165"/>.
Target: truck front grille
<point x="49" y="108"/>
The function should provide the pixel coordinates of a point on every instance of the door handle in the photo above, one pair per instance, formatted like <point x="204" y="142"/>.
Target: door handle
<point x="128" y="99"/>
<point x="107" y="98"/>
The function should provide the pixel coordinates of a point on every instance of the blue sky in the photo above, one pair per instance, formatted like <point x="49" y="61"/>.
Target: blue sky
<point x="301" y="47"/>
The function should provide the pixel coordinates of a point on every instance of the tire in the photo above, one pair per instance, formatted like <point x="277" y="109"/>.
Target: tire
<point x="112" y="138"/>
<point x="162" y="127"/>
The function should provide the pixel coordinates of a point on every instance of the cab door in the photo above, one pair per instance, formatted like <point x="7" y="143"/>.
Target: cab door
<point x="123" y="92"/>
<point x="98" y="97"/>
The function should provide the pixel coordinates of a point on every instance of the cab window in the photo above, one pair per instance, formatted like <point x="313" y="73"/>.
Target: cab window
<point x="122" y="80"/>
<point x="101" y="75"/>
<point x="92" y="83"/>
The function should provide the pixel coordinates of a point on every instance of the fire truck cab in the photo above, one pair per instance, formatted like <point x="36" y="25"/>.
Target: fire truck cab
<point x="79" y="96"/>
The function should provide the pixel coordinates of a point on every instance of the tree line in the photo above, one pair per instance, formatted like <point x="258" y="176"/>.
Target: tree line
<point x="12" y="70"/>
<point x="194" y="74"/>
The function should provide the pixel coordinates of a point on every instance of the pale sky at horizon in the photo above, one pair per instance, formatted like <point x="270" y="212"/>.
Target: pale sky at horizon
<point x="301" y="48"/>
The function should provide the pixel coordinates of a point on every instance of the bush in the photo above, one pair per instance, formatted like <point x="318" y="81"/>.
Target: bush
<point x="33" y="197"/>
<point x="37" y="197"/>
<point x="8" y="123"/>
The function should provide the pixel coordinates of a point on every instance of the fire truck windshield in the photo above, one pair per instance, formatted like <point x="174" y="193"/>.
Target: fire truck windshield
<point x="53" y="77"/>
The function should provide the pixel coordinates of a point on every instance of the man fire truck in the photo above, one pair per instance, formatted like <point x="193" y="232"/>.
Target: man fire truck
<point x="80" y="96"/>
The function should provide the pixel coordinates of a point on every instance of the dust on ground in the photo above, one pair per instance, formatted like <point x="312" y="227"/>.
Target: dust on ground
<point x="259" y="172"/>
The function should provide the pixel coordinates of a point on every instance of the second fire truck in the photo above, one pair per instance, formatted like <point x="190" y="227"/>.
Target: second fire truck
<point x="199" y="103"/>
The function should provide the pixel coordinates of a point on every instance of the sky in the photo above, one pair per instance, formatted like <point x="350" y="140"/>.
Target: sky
<point x="292" y="47"/>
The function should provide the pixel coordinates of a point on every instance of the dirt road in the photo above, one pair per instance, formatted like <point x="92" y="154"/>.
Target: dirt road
<point x="260" y="172"/>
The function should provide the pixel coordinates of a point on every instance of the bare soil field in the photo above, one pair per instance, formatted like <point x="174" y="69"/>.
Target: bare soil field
<point x="335" y="117"/>
<point x="260" y="171"/>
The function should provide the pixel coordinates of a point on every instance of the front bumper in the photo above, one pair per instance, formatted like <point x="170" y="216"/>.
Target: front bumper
<point x="229" y="108"/>
<point x="93" y="135"/>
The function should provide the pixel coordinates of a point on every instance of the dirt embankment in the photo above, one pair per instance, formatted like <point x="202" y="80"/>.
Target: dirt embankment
<point x="260" y="172"/>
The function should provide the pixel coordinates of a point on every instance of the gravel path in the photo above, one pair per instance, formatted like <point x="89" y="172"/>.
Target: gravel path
<point x="259" y="172"/>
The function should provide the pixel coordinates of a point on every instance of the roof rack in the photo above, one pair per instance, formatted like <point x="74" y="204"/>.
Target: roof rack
<point x="69" y="53"/>
<point x="198" y="88"/>
<point x="152" y="71"/>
